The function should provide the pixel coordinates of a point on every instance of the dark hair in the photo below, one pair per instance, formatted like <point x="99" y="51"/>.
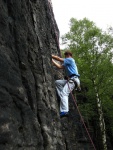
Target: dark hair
<point x="68" y="53"/>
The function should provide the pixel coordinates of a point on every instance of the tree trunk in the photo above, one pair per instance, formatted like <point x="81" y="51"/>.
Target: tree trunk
<point x="101" y="120"/>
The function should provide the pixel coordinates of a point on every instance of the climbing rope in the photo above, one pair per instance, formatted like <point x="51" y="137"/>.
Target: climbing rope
<point x="81" y="117"/>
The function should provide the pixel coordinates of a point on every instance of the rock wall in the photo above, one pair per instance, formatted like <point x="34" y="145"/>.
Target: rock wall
<point x="29" y="117"/>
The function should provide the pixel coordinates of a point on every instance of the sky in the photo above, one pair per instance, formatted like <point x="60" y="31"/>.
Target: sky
<point x="98" y="11"/>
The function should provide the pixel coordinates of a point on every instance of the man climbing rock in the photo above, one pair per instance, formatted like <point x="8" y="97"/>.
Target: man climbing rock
<point x="64" y="87"/>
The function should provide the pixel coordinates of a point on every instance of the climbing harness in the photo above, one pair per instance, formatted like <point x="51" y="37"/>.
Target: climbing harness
<point x="77" y="85"/>
<point x="81" y="117"/>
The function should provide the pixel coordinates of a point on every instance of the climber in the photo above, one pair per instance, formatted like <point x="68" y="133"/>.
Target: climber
<point x="64" y="87"/>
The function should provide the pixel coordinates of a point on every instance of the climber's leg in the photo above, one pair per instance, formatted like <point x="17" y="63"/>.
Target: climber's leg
<point x="60" y="85"/>
<point x="69" y="86"/>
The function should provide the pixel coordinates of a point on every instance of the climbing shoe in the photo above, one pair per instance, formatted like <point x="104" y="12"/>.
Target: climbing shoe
<point x="64" y="114"/>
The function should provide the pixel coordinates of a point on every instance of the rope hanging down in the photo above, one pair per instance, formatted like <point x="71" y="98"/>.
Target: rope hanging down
<point x="81" y="118"/>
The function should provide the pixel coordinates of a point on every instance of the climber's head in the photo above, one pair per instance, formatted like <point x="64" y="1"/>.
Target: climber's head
<point x="68" y="54"/>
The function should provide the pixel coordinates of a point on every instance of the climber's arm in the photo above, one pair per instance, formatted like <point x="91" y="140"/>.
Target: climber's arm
<point x="58" y="58"/>
<point x="57" y="65"/>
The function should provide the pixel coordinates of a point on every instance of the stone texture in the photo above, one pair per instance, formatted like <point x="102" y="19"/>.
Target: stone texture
<point x="29" y="117"/>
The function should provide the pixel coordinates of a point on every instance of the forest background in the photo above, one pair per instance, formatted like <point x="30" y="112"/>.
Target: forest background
<point x="93" y="52"/>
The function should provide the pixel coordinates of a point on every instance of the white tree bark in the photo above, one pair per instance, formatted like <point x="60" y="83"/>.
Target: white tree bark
<point x="101" y="120"/>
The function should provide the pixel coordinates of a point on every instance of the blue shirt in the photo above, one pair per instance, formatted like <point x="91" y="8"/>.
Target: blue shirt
<point x="70" y="66"/>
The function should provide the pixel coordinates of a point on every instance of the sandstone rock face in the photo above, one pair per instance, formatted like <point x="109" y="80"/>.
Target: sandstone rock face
<point x="29" y="118"/>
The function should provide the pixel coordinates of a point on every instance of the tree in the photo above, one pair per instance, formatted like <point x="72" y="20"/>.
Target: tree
<point x="92" y="49"/>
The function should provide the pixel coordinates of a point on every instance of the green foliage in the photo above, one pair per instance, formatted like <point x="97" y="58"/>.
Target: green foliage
<point x="92" y="50"/>
<point x="88" y="110"/>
